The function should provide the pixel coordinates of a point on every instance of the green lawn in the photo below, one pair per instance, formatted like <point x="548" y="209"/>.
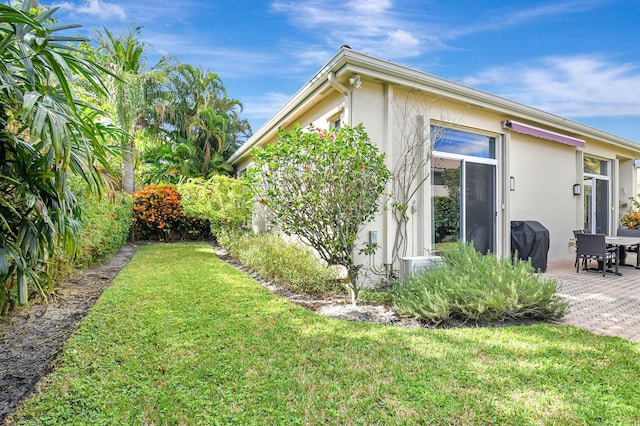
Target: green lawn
<point x="183" y="338"/>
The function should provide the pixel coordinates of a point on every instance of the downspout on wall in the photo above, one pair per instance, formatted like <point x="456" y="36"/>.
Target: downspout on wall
<point x="347" y="94"/>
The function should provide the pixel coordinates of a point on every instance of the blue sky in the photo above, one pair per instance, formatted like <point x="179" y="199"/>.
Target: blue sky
<point x="576" y="58"/>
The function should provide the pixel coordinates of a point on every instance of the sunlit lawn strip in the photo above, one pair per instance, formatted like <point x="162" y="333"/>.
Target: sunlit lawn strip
<point x="183" y="338"/>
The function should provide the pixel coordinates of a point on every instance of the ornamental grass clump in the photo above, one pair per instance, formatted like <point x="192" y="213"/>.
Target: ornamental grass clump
<point x="470" y="286"/>
<point x="288" y="263"/>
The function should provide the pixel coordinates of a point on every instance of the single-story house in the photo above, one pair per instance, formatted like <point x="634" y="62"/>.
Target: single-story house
<point x="500" y="160"/>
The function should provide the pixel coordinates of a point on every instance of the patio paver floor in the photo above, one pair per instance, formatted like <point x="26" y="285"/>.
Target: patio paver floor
<point x="608" y="306"/>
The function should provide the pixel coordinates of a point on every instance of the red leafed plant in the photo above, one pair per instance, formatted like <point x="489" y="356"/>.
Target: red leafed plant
<point x="156" y="209"/>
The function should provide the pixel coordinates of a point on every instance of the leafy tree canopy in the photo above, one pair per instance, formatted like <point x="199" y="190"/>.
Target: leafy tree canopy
<point x="322" y="186"/>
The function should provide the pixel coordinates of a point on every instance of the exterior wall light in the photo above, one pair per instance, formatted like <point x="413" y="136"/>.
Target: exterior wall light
<point x="512" y="183"/>
<point x="355" y="81"/>
<point x="577" y="189"/>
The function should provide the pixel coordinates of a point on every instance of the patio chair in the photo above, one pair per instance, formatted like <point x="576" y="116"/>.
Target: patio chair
<point x="575" y="237"/>
<point x="594" y="247"/>
<point x="575" y="233"/>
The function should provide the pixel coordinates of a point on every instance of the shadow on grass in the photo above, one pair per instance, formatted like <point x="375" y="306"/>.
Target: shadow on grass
<point x="182" y="337"/>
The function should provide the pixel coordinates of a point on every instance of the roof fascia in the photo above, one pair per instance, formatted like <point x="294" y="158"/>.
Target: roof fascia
<point x="315" y="85"/>
<point x="404" y="76"/>
<point x="349" y="61"/>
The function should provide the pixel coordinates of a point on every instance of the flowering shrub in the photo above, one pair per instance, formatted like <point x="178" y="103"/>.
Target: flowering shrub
<point x="323" y="187"/>
<point x="631" y="219"/>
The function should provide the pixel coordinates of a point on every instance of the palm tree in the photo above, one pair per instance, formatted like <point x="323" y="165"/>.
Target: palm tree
<point x="133" y="89"/>
<point x="200" y="112"/>
<point x="210" y="128"/>
<point x="46" y="133"/>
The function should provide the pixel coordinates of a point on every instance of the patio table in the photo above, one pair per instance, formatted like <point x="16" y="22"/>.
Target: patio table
<point x="621" y="243"/>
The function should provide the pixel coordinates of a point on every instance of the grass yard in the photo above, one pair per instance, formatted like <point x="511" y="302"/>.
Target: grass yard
<point x="183" y="338"/>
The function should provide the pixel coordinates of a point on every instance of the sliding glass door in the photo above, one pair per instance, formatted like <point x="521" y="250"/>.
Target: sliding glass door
<point x="480" y="205"/>
<point x="464" y="190"/>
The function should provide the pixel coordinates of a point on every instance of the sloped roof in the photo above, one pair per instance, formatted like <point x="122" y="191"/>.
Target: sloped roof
<point x="348" y="61"/>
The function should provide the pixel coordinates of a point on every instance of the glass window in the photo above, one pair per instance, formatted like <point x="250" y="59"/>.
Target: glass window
<point x="595" y="166"/>
<point x="463" y="143"/>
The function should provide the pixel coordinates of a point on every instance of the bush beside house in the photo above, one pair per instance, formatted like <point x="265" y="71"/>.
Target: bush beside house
<point x="288" y="263"/>
<point x="480" y="288"/>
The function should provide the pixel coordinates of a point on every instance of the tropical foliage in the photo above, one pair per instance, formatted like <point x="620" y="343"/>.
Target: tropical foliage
<point x="631" y="219"/>
<point x="322" y="186"/>
<point x="156" y="211"/>
<point x="158" y="214"/>
<point x="105" y="229"/>
<point x="200" y="127"/>
<point x="46" y="134"/>
<point x="133" y="90"/>
<point x="223" y="201"/>
<point x="180" y="120"/>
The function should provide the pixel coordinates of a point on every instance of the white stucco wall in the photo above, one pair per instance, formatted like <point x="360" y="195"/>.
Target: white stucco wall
<point x="545" y="173"/>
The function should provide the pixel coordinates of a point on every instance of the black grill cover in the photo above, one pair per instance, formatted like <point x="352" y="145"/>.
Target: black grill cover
<point x="530" y="240"/>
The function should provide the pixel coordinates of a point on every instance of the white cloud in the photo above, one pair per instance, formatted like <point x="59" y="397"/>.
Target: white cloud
<point x="264" y="106"/>
<point x="498" y="19"/>
<point x="574" y="86"/>
<point x="103" y="10"/>
<point x="372" y="26"/>
<point x="386" y="29"/>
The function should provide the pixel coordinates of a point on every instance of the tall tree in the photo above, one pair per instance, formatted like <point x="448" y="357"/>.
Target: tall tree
<point x="46" y="133"/>
<point x="199" y="114"/>
<point x="133" y="89"/>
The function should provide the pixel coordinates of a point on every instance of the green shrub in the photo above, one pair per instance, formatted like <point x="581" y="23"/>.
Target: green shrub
<point x="291" y="264"/>
<point x="473" y="287"/>
<point x="223" y="201"/>
<point x="446" y="218"/>
<point x="105" y="228"/>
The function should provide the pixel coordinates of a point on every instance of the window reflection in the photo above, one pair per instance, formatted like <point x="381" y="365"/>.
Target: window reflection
<point x="463" y="143"/>
<point x="595" y="166"/>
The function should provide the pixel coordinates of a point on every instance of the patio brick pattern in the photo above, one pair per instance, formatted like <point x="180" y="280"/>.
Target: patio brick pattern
<point x="608" y="306"/>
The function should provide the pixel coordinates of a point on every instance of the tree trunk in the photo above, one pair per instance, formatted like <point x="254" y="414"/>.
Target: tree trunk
<point x="128" y="182"/>
<point x="353" y="284"/>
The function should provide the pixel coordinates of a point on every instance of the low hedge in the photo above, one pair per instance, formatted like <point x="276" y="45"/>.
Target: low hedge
<point x="105" y="229"/>
<point x="470" y="286"/>
<point x="106" y="224"/>
<point x="288" y="263"/>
